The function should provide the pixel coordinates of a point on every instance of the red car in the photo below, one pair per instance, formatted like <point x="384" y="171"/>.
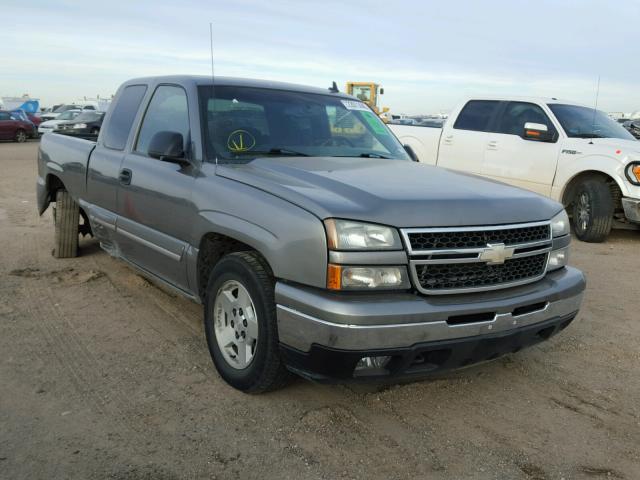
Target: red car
<point x="11" y="128"/>
<point x="34" y="119"/>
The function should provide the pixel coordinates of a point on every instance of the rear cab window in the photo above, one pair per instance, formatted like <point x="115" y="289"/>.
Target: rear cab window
<point x="121" y="120"/>
<point x="476" y="115"/>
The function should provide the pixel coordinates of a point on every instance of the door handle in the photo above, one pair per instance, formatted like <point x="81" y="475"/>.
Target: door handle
<point x="448" y="140"/>
<point x="125" y="176"/>
<point x="492" y="145"/>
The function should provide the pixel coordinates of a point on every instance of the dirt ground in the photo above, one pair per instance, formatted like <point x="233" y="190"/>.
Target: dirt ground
<point x="104" y="375"/>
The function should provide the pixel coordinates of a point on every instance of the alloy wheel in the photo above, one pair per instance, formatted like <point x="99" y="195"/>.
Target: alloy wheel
<point x="584" y="211"/>
<point x="235" y="324"/>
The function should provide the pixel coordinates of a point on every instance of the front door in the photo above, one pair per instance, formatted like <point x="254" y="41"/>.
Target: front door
<point x="511" y="158"/>
<point x="155" y="212"/>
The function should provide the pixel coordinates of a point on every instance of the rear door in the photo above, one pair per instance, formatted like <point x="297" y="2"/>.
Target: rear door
<point x="155" y="212"/>
<point x="511" y="158"/>
<point x="105" y="162"/>
<point x="463" y="142"/>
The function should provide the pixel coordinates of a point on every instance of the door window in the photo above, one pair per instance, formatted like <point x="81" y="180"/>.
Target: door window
<point x="5" y="116"/>
<point x="168" y="112"/>
<point x="516" y="114"/>
<point x="124" y="112"/>
<point x="476" y="115"/>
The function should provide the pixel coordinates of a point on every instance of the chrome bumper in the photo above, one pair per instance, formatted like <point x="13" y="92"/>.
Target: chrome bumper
<point x="402" y="320"/>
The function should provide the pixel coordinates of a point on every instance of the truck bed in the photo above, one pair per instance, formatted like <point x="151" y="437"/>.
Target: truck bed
<point x="66" y="157"/>
<point x="424" y="140"/>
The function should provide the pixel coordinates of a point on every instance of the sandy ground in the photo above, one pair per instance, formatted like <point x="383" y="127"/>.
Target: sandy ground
<point x="104" y="375"/>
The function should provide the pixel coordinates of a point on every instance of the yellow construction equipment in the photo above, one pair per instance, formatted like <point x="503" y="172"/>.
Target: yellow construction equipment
<point x="368" y="92"/>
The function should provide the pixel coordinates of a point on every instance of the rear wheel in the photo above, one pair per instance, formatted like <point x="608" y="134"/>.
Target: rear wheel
<point x="240" y="324"/>
<point x="21" y="136"/>
<point x="66" y="219"/>
<point x="592" y="210"/>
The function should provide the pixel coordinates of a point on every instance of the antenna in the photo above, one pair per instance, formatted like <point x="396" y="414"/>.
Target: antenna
<point x="595" y="109"/>
<point x="213" y="93"/>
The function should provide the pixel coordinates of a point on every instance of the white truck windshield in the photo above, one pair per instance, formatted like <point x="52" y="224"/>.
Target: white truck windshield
<point x="584" y="122"/>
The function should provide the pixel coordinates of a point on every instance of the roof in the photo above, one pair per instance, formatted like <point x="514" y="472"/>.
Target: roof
<point x="516" y="98"/>
<point x="235" y="82"/>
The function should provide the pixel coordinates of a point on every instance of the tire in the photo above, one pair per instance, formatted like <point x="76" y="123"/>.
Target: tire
<point x="592" y="210"/>
<point x="264" y="371"/>
<point x="66" y="220"/>
<point x="21" y="136"/>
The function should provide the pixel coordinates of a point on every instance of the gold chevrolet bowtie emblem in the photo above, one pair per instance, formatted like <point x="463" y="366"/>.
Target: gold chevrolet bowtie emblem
<point x="496" y="253"/>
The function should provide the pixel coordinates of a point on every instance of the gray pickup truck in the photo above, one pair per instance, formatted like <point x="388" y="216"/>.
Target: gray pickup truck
<point x="315" y="243"/>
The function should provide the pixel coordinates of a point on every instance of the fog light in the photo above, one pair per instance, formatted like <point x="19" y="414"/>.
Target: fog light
<point x="372" y="364"/>
<point x="558" y="259"/>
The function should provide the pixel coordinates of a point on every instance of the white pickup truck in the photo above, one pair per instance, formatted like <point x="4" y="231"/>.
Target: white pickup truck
<point x="571" y="153"/>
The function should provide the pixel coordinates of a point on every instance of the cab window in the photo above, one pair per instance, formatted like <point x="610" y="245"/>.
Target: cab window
<point x="516" y="114"/>
<point x="167" y="111"/>
<point x="476" y="115"/>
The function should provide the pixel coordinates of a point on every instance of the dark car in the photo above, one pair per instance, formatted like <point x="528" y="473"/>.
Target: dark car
<point x="87" y="123"/>
<point x="13" y="128"/>
<point x="633" y="126"/>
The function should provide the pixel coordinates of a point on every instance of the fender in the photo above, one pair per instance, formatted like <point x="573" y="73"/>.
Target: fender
<point x="569" y="168"/>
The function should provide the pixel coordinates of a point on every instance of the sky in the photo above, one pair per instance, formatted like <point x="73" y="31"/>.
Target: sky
<point x="427" y="55"/>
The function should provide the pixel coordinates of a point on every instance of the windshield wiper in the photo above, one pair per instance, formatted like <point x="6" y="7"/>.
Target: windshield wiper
<point x="364" y="155"/>
<point x="587" y="135"/>
<point x="274" y="151"/>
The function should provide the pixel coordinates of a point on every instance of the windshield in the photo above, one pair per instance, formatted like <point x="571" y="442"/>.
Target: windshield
<point x="244" y="123"/>
<point x="68" y="115"/>
<point x="584" y="122"/>
<point x="88" y="117"/>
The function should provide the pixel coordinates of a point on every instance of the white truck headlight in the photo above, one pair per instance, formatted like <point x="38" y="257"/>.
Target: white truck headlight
<point x="558" y="259"/>
<point x="633" y="173"/>
<point x="560" y="224"/>
<point x="341" y="277"/>
<point x="348" y="235"/>
<point x="80" y="125"/>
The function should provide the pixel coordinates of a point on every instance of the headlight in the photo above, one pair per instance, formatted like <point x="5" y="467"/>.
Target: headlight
<point x="348" y="235"/>
<point x="633" y="172"/>
<point x="80" y="125"/>
<point x="341" y="277"/>
<point x="560" y="224"/>
<point x="558" y="259"/>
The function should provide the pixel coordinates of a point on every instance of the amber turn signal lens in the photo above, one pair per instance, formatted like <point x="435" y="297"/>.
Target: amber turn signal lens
<point x="635" y="170"/>
<point x="334" y="277"/>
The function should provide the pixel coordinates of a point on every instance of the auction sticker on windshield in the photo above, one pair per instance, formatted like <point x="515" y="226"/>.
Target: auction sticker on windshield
<point x="354" y="105"/>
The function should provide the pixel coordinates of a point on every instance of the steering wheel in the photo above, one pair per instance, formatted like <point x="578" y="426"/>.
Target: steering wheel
<point x="337" y="141"/>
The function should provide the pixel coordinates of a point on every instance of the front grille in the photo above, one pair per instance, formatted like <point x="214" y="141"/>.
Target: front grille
<point x="462" y="276"/>
<point x="452" y="239"/>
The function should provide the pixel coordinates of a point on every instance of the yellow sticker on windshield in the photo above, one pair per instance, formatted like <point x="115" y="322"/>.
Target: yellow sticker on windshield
<point x="240" y="141"/>
<point x="375" y="123"/>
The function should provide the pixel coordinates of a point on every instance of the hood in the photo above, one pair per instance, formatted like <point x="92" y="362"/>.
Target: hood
<point x="610" y="147"/>
<point x="391" y="192"/>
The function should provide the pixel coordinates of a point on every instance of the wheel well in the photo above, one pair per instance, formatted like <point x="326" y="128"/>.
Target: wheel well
<point x="53" y="185"/>
<point x="213" y="247"/>
<point x="569" y="191"/>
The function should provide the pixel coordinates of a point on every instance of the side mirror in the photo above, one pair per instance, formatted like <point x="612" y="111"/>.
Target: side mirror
<point x="537" y="132"/>
<point x="411" y="153"/>
<point x="168" y="147"/>
<point x="381" y="91"/>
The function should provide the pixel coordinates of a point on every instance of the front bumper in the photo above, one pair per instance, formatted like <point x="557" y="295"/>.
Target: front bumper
<point x="631" y="209"/>
<point x="317" y="326"/>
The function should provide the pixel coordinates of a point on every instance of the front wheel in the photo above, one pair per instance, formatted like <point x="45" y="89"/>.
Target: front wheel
<point x="240" y="324"/>
<point x="592" y="211"/>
